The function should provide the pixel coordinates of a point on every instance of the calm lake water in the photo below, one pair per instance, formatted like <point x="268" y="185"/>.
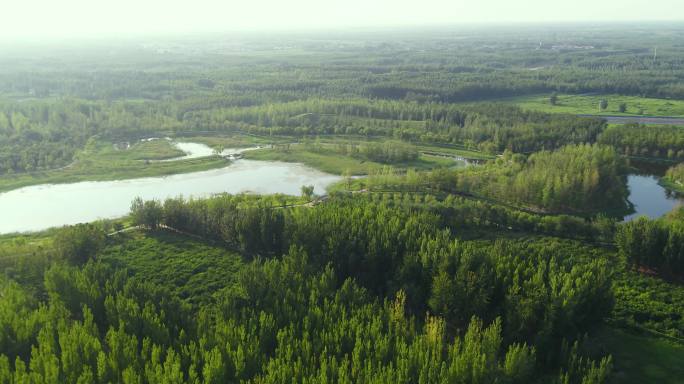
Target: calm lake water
<point x="649" y="198"/>
<point x="43" y="206"/>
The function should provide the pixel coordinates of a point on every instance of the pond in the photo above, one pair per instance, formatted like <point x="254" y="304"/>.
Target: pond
<point x="43" y="206"/>
<point x="649" y="198"/>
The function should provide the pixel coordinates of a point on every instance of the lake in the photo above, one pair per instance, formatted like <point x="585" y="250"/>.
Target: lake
<point x="40" y="207"/>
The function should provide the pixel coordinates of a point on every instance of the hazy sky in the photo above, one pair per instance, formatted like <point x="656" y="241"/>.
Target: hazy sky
<point x="89" y="18"/>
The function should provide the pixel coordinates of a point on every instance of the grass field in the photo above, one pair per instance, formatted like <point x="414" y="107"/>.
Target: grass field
<point x="589" y="104"/>
<point x="24" y="244"/>
<point x="455" y="151"/>
<point x="339" y="164"/>
<point x="152" y="150"/>
<point x="639" y="359"/>
<point x="446" y="149"/>
<point x="191" y="268"/>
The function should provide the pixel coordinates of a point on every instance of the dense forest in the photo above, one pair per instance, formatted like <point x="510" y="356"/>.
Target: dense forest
<point x="476" y="242"/>
<point x="572" y="178"/>
<point x="584" y="178"/>
<point x="656" y="244"/>
<point x="444" y="65"/>
<point x="338" y="292"/>
<point x="646" y="141"/>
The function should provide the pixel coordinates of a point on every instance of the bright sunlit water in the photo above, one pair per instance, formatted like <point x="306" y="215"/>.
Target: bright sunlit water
<point x="43" y="206"/>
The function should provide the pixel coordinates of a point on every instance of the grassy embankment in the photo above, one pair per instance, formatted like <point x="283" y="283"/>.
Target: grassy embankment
<point x="452" y="150"/>
<point x="671" y="184"/>
<point x="339" y="164"/>
<point x="442" y="149"/>
<point x="335" y="163"/>
<point x="583" y="104"/>
<point x="152" y="150"/>
<point x="100" y="160"/>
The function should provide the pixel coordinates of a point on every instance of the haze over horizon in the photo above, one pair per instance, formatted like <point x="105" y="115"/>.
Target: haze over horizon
<point x="44" y="19"/>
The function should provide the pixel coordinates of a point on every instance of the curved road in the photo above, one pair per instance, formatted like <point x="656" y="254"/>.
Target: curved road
<point x="665" y="120"/>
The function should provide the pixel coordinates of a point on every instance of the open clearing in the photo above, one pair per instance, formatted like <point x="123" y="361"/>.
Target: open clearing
<point x="639" y="107"/>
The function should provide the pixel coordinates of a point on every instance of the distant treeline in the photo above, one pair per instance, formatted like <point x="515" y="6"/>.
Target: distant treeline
<point x="47" y="134"/>
<point x="660" y="142"/>
<point x="43" y="135"/>
<point x="439" y="66"/>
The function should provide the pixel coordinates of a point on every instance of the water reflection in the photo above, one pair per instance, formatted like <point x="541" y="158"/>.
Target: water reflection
<point x="43" y="206"/>
<point x="649" y="198"/>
